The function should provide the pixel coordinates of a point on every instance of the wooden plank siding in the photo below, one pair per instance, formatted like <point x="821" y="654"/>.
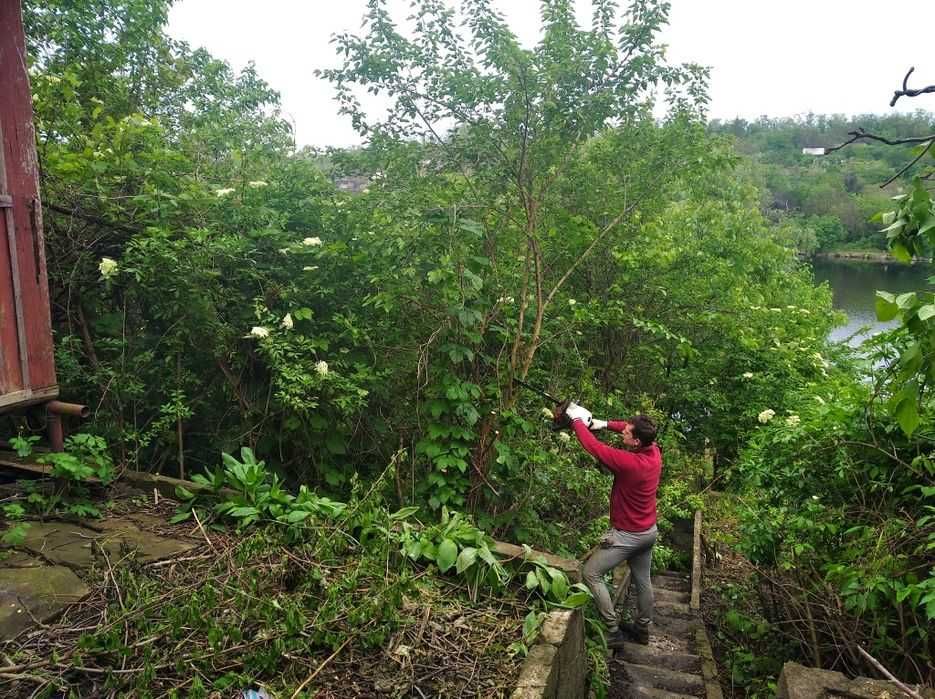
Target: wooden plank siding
<point x="27" y="366"/>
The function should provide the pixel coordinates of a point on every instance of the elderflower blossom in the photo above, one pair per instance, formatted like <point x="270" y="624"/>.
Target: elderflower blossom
<point x="108" y="267"/>
<point x="310" y="269"/>
<point x="316" y="241"/>
<point x="766" y="416"/>
<point x="546" y="413"/>
<point x="564" y="436"/>
<point x="259" y="331"/>
<point x="748" y="374"/>
<point x="571" y="302"/>
<point x="322" y="368"/>
<point x="223" y="192"/>
<point x="793" y="420"/>
<point x="287" y="322"/>
<point x="256" y="184"/>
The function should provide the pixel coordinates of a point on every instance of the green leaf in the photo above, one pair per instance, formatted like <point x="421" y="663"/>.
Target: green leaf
<point x="181" y="517"/>
<point x="466" y="559"/>
<point x="907" y="414"/>
<point x="900" y="252"/>
<point x="184" y="493"/>
<point x="404" y="513"/>
<point x="543" y="580"/>
<point x="446" y="555"/>
<point x="576" y="599"/>
<point x="241" y="512"/>
<point x="15" y="535"/>
<point x="559" y="585"/>
<point x="297" y="516"/>
<point x="886" y="306"/>
<point x="927" y="311"/>
<point x="532" y="580"/>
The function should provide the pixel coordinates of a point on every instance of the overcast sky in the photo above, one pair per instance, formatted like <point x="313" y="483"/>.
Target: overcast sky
<point x="767" y="57"/>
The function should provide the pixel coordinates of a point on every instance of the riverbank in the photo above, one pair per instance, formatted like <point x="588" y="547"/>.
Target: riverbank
<point x="874" y="256"/>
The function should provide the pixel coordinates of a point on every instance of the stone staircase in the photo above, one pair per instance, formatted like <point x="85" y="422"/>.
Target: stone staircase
<point x="678" y="661"/>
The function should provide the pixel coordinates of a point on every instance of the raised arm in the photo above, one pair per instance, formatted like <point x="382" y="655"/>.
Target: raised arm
<point x="617" y="460"/>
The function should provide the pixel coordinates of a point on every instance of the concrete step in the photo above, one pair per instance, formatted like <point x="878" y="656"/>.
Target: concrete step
<point x="638" y="692"/>
<point x="649" y="655"/>
<point x="678" y="610"/>
<point x="661" y="678"/>
<point x="663" y="595"/>
<point x="674" y="583"/>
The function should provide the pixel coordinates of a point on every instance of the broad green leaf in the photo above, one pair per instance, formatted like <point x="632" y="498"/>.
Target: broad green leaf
<point x="886" y="307"/>
<point x="532" y="580"/>
<point x="297" y="516"/>
<point x="446" y="555"/>
<point x="576" y="599"/>
<point x="900" y="252"/>
<point x="466" y="559"/>
<point x="907" y="414"/>
<point x="927" y="311"/>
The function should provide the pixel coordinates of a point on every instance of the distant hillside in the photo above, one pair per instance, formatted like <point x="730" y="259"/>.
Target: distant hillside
<point x="825" y="202"/>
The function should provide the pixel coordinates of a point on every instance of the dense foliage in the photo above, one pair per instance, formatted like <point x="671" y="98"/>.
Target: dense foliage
<point x="526" y="216"/>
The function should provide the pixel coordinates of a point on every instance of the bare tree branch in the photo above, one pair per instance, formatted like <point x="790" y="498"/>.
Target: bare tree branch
<point x="907" y="92"/>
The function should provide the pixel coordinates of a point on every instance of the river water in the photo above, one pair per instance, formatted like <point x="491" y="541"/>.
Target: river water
<point x="853" y="287"/>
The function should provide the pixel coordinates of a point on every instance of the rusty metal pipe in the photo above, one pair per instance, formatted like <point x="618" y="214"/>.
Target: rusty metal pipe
<point x="56" y="432"/>
<point x="57" y="407"/>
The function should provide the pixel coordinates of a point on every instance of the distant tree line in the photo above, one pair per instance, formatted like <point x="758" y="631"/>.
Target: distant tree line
<point x="824" y="203"/>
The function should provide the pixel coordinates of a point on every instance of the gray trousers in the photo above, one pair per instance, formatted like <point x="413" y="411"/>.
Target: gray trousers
<point x="616" y="547"/>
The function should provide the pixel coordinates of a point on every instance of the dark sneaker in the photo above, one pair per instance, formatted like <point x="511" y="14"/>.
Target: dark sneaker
<point x="616" y="639"/>
<point x="638" y="633"/>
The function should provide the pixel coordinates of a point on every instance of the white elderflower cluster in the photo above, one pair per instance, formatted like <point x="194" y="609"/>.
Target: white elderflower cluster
<point x="312" y="242"/>
<point x="257" y="184"/>
<point x="766" y="416"/>
<point x="321" y="368"/>
<point x="223" y="192"/>
<point x="748" y="374"/>
<point x="287" y="322"/>
<point x="793" y="420"/>
<point x="259" y="331"/>
<point x="108" y="267"/>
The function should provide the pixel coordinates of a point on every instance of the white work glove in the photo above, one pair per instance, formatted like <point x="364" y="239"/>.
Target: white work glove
<point x="576" y="412"/>
<point x="597" y="424"/>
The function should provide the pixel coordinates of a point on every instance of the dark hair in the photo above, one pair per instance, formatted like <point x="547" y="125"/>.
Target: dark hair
<point x="644" y="429"/>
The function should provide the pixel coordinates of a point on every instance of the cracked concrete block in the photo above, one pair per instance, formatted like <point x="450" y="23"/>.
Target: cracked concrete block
<point x="537" y="667"/>
<point x="555" y="627"/>
<point x="40" y="592"/>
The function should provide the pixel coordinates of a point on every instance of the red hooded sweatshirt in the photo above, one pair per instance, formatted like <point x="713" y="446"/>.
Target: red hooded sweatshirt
<point x="636" y="478"/>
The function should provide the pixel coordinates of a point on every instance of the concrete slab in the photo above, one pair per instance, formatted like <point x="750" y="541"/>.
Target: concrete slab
<point x="75" y="546"/>
<point x="40" y="592"/>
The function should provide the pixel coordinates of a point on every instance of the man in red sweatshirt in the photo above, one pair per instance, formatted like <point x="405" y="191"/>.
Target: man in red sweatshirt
<point x="636" y="471"/>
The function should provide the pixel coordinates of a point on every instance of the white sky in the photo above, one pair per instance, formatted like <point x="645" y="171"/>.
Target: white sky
<point x="767" y="57"/>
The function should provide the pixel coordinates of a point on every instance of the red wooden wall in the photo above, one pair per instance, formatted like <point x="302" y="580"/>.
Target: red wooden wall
<point x="27" y="367"/>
